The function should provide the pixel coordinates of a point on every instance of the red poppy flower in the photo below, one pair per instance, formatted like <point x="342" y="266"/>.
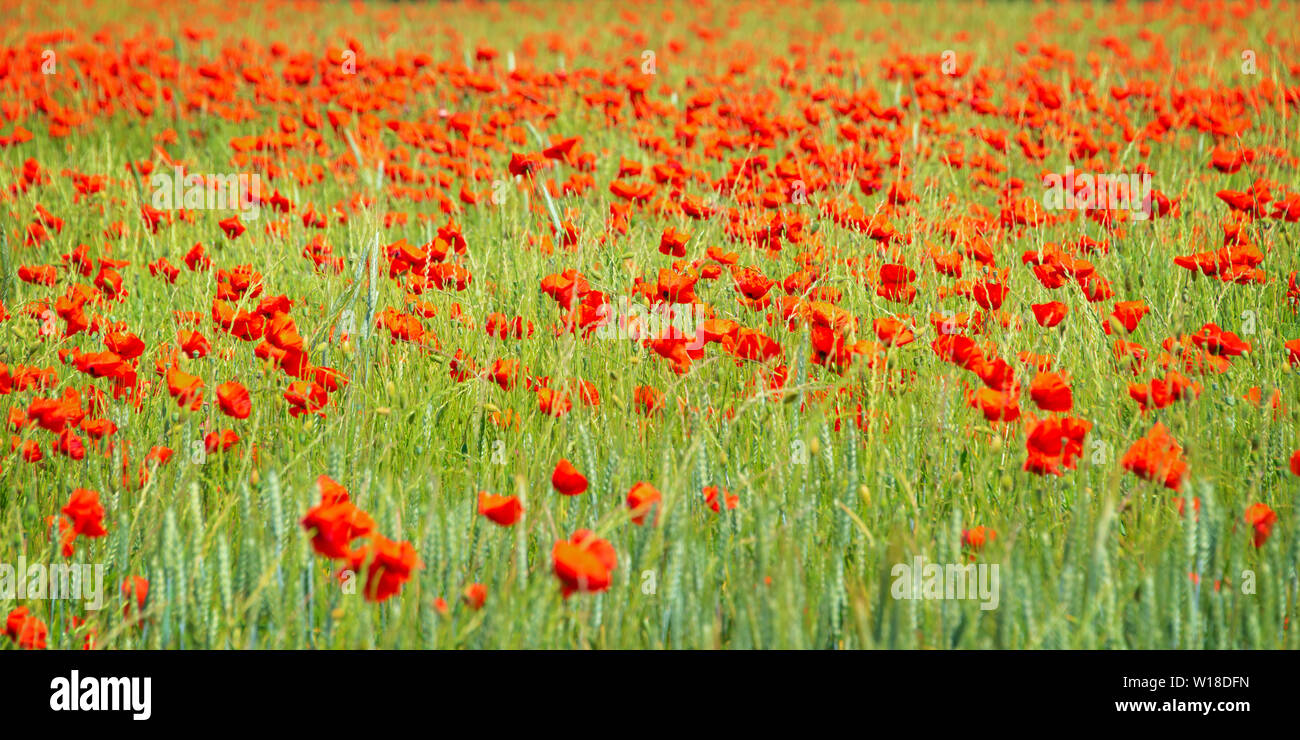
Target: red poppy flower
<point x="1262" y="518"/>
<point x="553" y="403"/>
<point x="584" y="562"/>
<point x="220" y="441"/>
<point x="711" y="498"/>
<point x="526" y="164"/>
<point x="185" y="388"/>
<point x="1129" y="313"/>
<point x="27" y="631"/>
<point x="673" y="242"/>
<point x="86" y="513"/>
<point x="567" y="480"/>
<point x="1051" y="392"/>
<point x="135" y="591"/>
<point x="475" y="594"/>
<point x="504" y="510"/>
<point x="232" y="227"/>
<point x="335" y="522"/>
<point x="388" y="565"/>
<point x="641" y="499"/>
<point x="1049" y="314"/>
<point x="233" y="400"/>
<point x="976" y="537"/>
<point x="1157" y="457"/>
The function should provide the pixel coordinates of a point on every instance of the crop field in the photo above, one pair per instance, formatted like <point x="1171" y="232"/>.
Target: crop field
<point x="639" y="325"/>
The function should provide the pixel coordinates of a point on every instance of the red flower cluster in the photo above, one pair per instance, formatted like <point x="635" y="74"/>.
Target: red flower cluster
<point x="336" y="522"/>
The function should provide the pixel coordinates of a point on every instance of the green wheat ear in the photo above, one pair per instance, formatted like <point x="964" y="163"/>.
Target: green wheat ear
<point x="224" y="578"/>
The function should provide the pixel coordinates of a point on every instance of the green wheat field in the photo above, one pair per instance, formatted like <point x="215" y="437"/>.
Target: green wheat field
<point x="414" y="292"/>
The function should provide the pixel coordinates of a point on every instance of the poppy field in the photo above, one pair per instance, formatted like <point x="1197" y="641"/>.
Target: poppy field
<point x="579" y="325"/>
